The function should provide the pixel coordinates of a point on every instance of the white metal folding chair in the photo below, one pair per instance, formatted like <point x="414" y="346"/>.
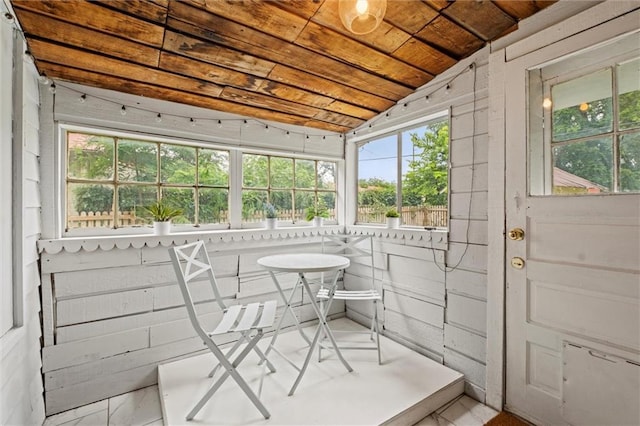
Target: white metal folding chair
<point x="190" y="261"/>
<point x="352" y="246"/>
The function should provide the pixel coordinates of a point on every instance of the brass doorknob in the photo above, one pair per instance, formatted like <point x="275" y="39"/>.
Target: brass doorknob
<point x="516" y="234"/>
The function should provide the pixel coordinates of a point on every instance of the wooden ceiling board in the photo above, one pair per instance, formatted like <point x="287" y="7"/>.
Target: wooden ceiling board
<point x="289" y="61"/>
<point x="154" y="10"/>
<point x="424" y="56"/>
<point x="409" y="16"/>
<point x="108" y="66"/>
<point x="450" y="37"/>
<point x="96" y="17"/>
<point x="522" y="9"/>
<point x="207" y="51"/>
<point x="327" y="42"/>
<point x="265" y="15"/>
<point x="482" y="18"/>
<point x="320" y="85"/>
<point x="43" y="27"/>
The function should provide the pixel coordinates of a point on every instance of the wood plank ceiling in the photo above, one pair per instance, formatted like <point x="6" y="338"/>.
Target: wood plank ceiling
<point x="290" y="61"/>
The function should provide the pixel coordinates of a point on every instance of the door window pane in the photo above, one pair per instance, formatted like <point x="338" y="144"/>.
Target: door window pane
<point x="583" y="167"/>
<point x="582" y="107"/>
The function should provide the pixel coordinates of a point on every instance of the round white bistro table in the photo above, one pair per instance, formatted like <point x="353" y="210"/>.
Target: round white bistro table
<point x="301" y="264"/>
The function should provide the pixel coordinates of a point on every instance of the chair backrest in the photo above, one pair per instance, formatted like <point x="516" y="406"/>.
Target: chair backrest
<point x="190" y="261"/>
<point x="351" y="246"/>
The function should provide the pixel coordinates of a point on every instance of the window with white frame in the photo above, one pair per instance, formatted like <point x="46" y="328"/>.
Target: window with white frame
<point x="406" y="171"/>
<point x="111" y="179"/>
<point x="592" y="145"/>
<point x="294" y="187"/>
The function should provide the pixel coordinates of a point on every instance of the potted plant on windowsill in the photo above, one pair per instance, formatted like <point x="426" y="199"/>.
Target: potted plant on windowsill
<point x="393" y="218"/>
<point x="317" y="213"/>
<point x="271" y="216"/>
<point x="162" y="215"/>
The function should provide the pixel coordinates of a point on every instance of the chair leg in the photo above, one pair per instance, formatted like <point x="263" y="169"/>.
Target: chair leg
<point x="377" y="327"/>
<point x="230" y="370"/>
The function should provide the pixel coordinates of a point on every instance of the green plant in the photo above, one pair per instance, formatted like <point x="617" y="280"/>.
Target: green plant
<point x="319" y="209"/>
<point x="161" y="212"/>
<point x="392" y="212"/>
<point x="270" y="211"/>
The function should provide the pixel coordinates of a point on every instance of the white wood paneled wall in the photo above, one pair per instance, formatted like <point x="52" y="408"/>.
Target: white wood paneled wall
<point x="437" y="310"/>
<point x="21" y="401"/>
<point x="112" y="316"/>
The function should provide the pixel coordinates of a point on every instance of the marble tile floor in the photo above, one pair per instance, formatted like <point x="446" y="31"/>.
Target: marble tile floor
<point x="142" y="408"/>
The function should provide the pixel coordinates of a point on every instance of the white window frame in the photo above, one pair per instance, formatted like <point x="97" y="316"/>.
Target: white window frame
<point x="235" y="183"/>
<point x="398" y="131"/>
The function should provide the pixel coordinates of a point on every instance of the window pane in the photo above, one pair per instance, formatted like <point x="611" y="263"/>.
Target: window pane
<point x="304" y="200"/>
<point x="630" y="162"/>
<point x="89" y="206"/>
<point x="583" y="167"/>
<point x="213" y="167"/>
<point x="181" y="198"/>
<point x="137" y="161"/>
<point x="213" y="205"/>
<point x="131" y="202"/>
<point x="90" y="157"/>
<point x="425" y="165"/>
<point x="629" y="94"/>
<point x="281" y="172"/>
<point x="283" y="202"/>
<point x="253" y="203"/>
<point x="582" y="107"/>
<point x="178" y="164"/>
<point x="254" y="171"/>
<point x="326" y="175"/>
<point x="328" y="199"/>
<point x="377" y="177"/>
<point x="305" y="174"/>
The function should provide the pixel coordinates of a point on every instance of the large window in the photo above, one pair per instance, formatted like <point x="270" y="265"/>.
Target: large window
<point x="290" y="185"/>
<point x="407" y="171"/>
<point x="111" y="179"/>
<point x="593" y="142"/>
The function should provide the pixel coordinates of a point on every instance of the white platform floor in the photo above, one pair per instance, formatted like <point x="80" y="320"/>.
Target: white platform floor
<point x="406" y="388"/>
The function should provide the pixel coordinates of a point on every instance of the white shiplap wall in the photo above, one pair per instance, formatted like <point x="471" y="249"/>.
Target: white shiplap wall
<point x="438" y="310"/>
<point x="21" y="401"/>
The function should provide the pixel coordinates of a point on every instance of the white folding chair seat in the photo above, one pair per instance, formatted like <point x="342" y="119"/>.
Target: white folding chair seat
<point x="190" y="261"/>
<point x="352" y="246"/>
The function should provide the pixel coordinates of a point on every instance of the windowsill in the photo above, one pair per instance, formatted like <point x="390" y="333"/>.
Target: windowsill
<point x="417" y="237"/>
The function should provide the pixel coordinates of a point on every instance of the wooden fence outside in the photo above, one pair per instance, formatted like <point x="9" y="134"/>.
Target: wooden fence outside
<point x="423" y="216"/>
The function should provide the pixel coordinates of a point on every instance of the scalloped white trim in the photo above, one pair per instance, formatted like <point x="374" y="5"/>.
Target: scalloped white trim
<point x="75" y="244"/>
<point x="437" y="239"/>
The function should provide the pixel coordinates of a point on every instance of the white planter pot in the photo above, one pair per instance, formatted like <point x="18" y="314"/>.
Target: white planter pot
<point x="162" y="228"/>
<point x="393" y="222"/>
<point x="317" y="221"/>
<point x="271" y="223"/>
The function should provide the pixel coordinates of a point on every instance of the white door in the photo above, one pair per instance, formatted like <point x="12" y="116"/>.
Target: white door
<point x="573" y="280"/>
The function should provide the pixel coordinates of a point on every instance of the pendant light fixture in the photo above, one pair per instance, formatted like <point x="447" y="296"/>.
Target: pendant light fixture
<point x="361" y="16"/>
